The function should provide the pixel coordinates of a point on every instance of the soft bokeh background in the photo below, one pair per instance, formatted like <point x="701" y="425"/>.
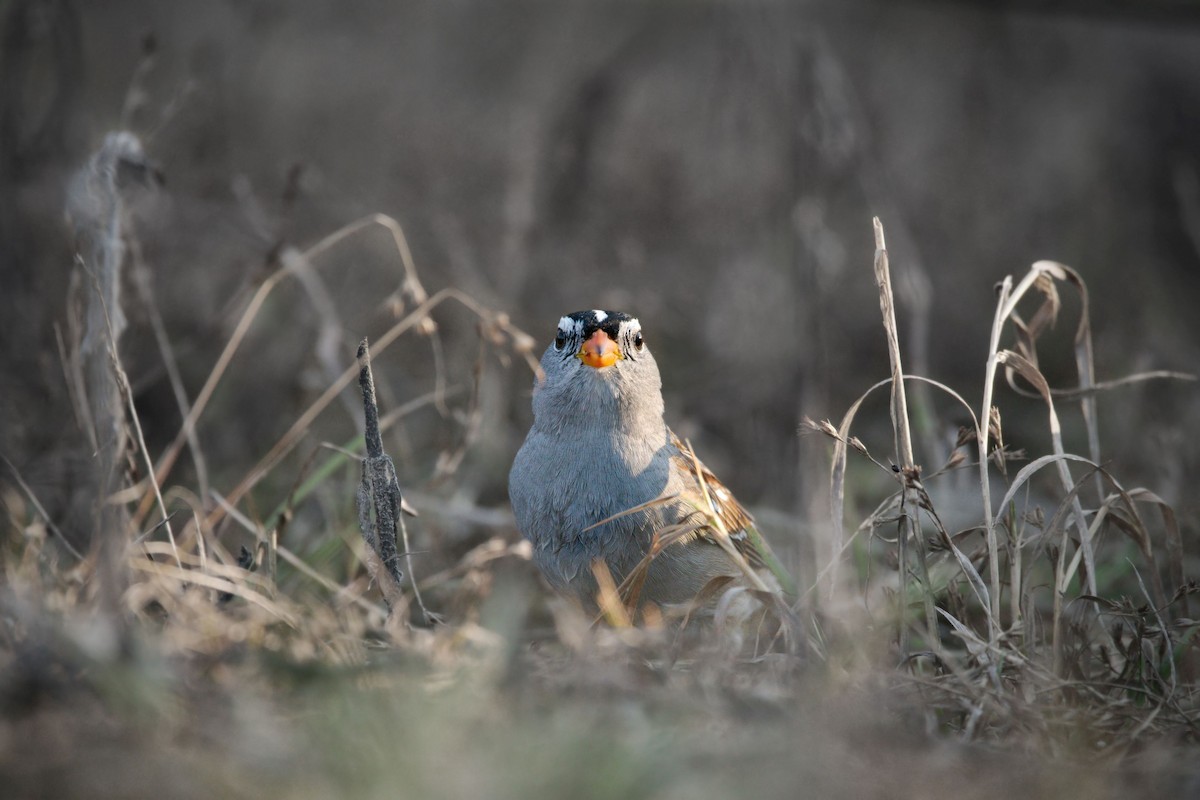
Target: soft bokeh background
<point x="710" y="167"/>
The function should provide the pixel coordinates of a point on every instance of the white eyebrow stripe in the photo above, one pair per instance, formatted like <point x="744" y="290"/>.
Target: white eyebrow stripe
<point x="569" y="326"/>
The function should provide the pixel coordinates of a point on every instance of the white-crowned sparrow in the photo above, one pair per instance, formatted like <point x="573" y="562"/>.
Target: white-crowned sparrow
<point x="598" y="448"/>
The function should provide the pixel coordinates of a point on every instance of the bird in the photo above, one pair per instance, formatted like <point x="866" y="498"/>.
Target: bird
<point x="601" y="483"/>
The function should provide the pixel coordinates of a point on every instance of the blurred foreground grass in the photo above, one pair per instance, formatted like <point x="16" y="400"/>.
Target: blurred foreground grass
<point x="230" y="702"/>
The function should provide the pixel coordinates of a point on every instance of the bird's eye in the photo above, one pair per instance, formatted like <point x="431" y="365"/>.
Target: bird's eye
<point x="560" y="341"/>
<point x="637" y="340"/>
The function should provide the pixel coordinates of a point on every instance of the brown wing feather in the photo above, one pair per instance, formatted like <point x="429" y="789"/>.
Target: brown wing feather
<point x="735" y="518"/>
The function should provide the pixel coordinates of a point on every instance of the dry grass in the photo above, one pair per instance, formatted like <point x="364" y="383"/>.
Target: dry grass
<point x="1035" y="648"/>
<point x="1023" y="653"/>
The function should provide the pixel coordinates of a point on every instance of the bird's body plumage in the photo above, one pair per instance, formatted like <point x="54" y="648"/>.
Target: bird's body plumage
<point x="599" y="446"/>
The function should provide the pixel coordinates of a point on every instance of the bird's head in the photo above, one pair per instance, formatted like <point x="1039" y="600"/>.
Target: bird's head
<point x="599" y="358"/>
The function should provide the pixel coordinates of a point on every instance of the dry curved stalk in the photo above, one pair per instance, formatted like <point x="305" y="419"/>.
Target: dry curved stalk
<point x="234" y="587"/>
<point x="1017" y="362"/>
<point x="419" y="317"/>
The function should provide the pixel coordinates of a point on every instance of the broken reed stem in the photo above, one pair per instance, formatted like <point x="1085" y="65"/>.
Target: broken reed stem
<point x="379" y="497"/>
<point x="378" y="503"/>
<point x="910" y="527"/>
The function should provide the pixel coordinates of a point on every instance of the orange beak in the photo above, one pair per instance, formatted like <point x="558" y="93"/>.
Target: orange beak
<point x="599" y="351"/>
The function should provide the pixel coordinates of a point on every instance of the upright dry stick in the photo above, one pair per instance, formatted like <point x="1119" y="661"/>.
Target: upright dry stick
<point x="379" y="496"/>
<point x="910" y="508"/>
<point x="96" y="210"/>
<point x="98" y="192"/>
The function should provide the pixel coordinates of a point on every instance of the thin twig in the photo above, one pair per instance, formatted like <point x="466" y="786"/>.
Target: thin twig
<point x="141" y="280"/>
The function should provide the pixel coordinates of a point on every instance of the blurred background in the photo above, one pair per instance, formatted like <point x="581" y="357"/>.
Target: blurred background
<point x="709" y="167"/>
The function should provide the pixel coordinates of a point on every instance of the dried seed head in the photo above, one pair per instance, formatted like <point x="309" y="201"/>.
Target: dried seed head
<point x="966" y="435"/>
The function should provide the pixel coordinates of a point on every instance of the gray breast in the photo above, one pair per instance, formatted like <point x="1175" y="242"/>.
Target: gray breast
<point x="562" y="485"/>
